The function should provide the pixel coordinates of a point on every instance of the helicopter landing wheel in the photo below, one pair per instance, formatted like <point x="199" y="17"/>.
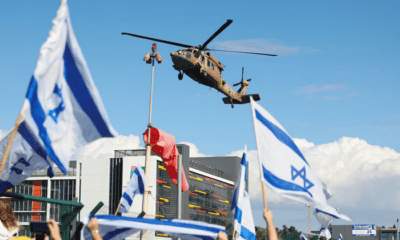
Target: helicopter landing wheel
<point x="180" y="76"/>
<point x="204" y="73"/>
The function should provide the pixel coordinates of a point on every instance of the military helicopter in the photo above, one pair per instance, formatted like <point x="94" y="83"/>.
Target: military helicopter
<point x="200" y="65"/>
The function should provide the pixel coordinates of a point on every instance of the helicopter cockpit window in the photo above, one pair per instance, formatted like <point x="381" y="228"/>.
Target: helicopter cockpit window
<point x="202" y="59"/>
<point x="208" y="63"/>
<point x="195" y="53"/>
<point x="212" y="65"/>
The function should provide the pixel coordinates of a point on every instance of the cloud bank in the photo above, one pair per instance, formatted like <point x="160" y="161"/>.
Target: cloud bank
<point x="358" y="174"/>
<point x="327" y="92"/>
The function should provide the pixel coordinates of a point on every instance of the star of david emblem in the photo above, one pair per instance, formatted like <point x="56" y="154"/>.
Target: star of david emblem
<point x="302" y="174"/>
<point x="56" y="111"/>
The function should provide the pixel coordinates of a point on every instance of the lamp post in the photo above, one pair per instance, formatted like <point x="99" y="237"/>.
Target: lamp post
<point x="149" y="58"/>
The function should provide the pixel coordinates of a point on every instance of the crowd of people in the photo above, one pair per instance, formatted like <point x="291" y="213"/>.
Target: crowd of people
<point x="9" y="226"/>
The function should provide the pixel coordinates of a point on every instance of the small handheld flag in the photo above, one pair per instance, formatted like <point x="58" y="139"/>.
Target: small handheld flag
<point x="244" y="223"/>
<point x="136" y="186"/>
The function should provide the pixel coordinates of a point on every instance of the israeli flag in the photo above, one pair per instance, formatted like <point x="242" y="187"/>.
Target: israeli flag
<point x="117" y="227"/>
<point x="284" y="168"/>
<point x="136" y="186"/>
<point x="26" y="156"/>
<point x="63" y="107"/>
<point x="244" y="224"/>
<point x="340" y="237"/>
<point x="325" y="232"/>
<point x="303" y="237"/>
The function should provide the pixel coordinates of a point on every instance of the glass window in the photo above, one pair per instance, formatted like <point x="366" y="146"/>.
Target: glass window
<point x="212" y="64"/>
<point x="208" y="62"/>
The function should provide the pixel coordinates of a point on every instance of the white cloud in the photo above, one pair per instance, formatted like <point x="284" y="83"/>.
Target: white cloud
<point x="194" y="151"/>
<point x="260" y="45"/>
<point x="104" y="147"/>
<point x="3" y="133"/>
<point x="358" y="174"/>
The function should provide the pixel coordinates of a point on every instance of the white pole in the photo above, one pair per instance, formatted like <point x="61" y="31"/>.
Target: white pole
<point x="179" y="186"/>
<point x="148" y="154"/>
<point x="397" y="230"/>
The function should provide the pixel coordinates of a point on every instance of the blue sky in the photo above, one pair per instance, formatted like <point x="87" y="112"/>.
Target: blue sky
<point x="337" y="73"/>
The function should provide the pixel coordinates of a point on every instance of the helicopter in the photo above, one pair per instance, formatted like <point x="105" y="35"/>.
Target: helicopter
<point x="203" y="67"/>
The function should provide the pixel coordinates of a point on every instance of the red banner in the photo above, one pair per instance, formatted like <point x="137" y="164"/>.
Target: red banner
<point x="36" y="206"/>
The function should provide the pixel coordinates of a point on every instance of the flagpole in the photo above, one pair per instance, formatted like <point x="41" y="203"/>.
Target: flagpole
<point x="7" y="152"/>
<point x="258" y="153"/>
<point x="152" y="58"/>
<point x="119" y="205"/>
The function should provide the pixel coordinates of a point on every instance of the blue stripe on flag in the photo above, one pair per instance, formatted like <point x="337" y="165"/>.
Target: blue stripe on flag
<point x="27" y="135"/>
<point x="317" y="210"/>
<point x="244" y="163"/>
<point x="127" y="198"/>
<point x="280" y="135"/>
<point x="5" y="185"/>
<point x="233" y="206"/>
<point x="282" y="184"/>
<point x="39" y="117"/>
<point x="238" y="215"/>
<point x="114" y="233"/>
<point x="140" y="181"/>
<point x="82" y="95"/>
<point x="247" y="234"/>
<point x="159" y="222"/>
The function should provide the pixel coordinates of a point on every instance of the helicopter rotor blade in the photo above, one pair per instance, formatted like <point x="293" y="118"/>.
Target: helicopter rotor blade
<point x="222" y="28"/>
<point x="158" y="40"/>
<point x="264" y="54"/>
<point x="236" y="84"/>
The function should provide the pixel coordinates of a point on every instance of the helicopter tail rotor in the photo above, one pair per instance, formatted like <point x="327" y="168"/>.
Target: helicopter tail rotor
<point x="241" y="82"/>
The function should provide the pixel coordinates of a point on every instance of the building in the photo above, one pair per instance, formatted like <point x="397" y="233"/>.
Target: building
<point x="211" y="179"/>
<point x="363" y="232"/>
<point x="61" y="186"/>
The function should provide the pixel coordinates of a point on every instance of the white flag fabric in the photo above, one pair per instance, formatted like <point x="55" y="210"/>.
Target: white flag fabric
<point x="63" y="106"/>
<point x="26" y="156"/>
<point x="303" y="237"/>
<point x="340" y="237"/>
<point x="118" y="227"/>
<point x="285" y="170"/>
<point x="325" y="232"/>
<point x="136" y="186"/>
<point x="244" y="223"/>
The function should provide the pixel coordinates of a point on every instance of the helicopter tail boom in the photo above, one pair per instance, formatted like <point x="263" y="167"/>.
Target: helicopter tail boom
<point x="245" y="99"/>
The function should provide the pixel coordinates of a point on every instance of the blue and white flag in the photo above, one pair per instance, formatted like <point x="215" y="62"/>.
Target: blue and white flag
<point x="26" y="156"/>
<point x="136" y="186"/>
<point x="302" y="237"/>
<point x="284" y="168"/>
<point x="340" y="237"/>
<point x="62" y="105"/>
<point x="117" y="227"/>
<point x="244" y="223"/>
<point x="325" y="232"/>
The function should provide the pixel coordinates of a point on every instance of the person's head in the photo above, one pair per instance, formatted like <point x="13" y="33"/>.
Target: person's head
<point x="7" y="215"/>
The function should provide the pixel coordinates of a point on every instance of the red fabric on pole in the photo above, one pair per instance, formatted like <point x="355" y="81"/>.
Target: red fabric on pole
<point x="163" y="144"/>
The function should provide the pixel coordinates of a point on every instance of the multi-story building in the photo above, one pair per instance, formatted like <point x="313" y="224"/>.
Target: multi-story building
<point x="211" y="179"/>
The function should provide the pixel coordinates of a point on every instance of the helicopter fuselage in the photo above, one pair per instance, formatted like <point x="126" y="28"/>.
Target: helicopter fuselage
<point x="205" y="69"/>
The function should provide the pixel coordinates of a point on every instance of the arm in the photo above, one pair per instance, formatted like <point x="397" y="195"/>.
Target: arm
<point x="222" y="236"/>
<point x="54" y="230"/>
<point x="272" y="235"/>
<point x="93" y="227"/>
